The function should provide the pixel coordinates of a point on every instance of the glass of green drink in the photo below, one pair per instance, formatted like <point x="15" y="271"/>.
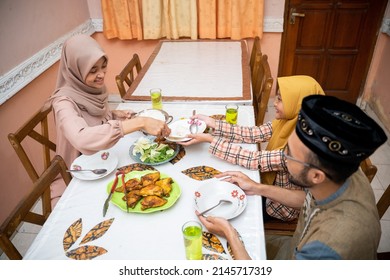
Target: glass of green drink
<point x="156" y="96"/>
<point x="192" y="233"/>
<point x="231" y="113"/>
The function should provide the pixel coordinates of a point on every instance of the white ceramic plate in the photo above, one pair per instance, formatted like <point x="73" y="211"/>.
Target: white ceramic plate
<point x="180" y="128"/>
<point x="210" y="193"/>
<point x="102" y="159"/>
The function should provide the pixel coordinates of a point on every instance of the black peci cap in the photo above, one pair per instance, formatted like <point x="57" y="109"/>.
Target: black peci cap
<point x="338" y="131"/>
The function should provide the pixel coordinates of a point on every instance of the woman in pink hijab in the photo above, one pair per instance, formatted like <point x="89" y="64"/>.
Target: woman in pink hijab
<point x="84" y="123"/>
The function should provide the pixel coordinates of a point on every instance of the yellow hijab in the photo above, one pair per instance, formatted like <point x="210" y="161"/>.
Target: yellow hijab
<point x="292" y="90"/>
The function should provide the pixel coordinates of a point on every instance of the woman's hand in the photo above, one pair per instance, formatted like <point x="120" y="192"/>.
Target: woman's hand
<point x="210" y="122"/>
<point x="249" y="186"/>
<point x="155" y="127"/>
<point x="146" y="124"/>
<point x="122" y="114"/>
<point x="216" y="225"/>
<point x="197" y="138"/>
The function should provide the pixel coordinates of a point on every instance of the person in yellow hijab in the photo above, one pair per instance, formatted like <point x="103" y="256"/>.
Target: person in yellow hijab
<point x="288" y="100"/>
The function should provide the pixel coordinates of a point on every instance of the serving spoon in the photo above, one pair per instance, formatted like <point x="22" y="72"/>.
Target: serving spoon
<point x="96" y="171"/>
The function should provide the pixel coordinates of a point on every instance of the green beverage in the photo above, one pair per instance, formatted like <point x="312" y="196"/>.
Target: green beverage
<point x="156" y="97"/>
<point x="192" y="233"/>
<point x="231" y="114"/>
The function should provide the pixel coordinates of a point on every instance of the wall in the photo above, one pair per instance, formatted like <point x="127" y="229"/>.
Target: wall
<point x="28" y="26"/>
<point x="376" y="93"/>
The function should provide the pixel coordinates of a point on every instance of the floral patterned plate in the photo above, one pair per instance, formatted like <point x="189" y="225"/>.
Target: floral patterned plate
<point x="210" y="193"/>
<point x="102" y="159"/>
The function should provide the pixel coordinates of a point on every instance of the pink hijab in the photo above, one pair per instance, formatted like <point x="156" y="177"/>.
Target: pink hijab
<point x="79" y="54"/>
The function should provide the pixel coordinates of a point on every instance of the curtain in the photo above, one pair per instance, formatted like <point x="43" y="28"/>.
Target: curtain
<point x="122" y="19"/>
<point x="169" y="18"/>
<point x="235" y="19"/>
<point x="204" y="19"/>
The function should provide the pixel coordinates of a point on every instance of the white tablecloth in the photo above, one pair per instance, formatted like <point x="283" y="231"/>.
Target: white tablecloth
<point x="201" y="71"/>
<point x="147" y="236"/>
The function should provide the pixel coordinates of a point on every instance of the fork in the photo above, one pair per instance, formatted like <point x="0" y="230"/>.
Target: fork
<point x="211" y="208"/>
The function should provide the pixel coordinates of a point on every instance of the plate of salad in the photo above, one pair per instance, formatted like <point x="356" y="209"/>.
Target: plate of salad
<point x="149" y="151"/>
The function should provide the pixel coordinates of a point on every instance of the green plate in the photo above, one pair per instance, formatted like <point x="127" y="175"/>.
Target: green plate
<point x="117" y="196"/>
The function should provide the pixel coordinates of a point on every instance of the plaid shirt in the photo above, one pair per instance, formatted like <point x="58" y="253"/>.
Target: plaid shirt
<point x="264" y="161"/>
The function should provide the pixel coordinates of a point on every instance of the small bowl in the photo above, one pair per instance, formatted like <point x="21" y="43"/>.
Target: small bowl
<point x="155" y="114"/>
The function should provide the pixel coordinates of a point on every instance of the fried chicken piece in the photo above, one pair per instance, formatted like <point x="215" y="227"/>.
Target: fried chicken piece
<point x="132" y="198"/>
<point x="150" y="178"/>
<point x="166" y="185"/>
<point x="133" y="184"/>
<point x="152" y="201"/>
<point x="120" y="189"/>
<point x="151" y="190"/>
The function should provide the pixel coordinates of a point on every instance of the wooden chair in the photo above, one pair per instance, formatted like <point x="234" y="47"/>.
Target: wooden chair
<point x="37" y="129"/>
<point x="278" y="227"/>
<point x="383" y="205"/>
<point x="22" y="212"/>
<point x="262" y="86"/>
<point x="368" y="169"/>
<point x="255" y="58"/>
<point x="128" y="74"/>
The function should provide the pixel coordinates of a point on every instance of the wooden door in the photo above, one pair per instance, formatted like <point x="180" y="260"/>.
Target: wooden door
<point x="332" y="41"/>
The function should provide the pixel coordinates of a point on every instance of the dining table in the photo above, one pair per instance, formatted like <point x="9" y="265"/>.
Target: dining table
<point x="205" y="71"/>
<point x="77" y="229"/>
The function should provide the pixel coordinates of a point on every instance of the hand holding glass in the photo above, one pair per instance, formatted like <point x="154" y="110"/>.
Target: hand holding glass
<point x="192" y="234"/>
<point x="155" y="95"/>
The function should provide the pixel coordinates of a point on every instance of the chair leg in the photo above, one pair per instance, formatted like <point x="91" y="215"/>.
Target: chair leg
<point x="8" y="248"/>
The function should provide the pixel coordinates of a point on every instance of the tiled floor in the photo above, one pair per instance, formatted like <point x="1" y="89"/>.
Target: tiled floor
<point x="381" y="158"/>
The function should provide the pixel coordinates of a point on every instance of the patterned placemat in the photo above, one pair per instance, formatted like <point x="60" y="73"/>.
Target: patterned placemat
<point x="201" y="173"/>
<point x="85" y="252"/>
<point x="213" y="244"/>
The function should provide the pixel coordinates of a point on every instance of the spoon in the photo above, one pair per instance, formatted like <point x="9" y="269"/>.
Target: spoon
<point x="96" y="171"/>
<point x="211" y="208"/>
<point x="194" y="125"/>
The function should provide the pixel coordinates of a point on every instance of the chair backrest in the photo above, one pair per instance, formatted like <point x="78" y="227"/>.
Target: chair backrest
<point x="368" y="169"/>
<point x="262" y="86"/>
<point x="255" y="57"/>
<point x="279" y="227"/>
<point x="383" y="203"/>
<point x="37" y="129"/>
<point x="128" y="74"/>
<point x="22" y="212"/>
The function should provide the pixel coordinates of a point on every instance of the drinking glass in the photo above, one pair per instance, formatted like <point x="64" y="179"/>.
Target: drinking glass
<point x="192" y="234"/>
<point x="231" y="113"/>
<point x="155" y="95"/>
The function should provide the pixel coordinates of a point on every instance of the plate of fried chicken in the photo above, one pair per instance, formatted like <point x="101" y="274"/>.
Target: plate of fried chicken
<point x="145" y="192"/>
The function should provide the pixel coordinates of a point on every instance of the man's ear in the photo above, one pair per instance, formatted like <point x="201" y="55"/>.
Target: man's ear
<point x="317" y="176"/>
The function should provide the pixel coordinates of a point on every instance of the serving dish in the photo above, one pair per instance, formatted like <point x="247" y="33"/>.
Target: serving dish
<point x="117" y="197"/>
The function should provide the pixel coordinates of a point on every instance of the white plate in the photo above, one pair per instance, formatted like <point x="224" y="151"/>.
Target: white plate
<point x="180" y="128"/>
<point x="102" y="159"/>
<point x="213" y="191"/>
